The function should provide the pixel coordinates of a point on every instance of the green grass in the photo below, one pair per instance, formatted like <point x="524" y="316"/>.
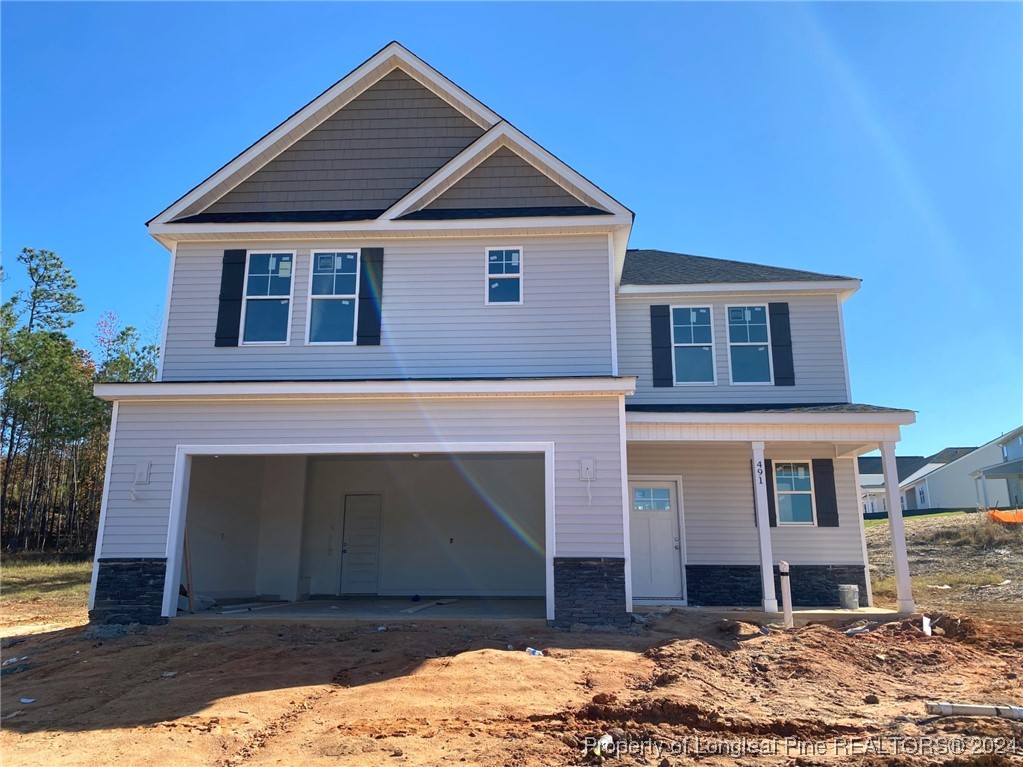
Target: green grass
<point x="868" y="523"/>
<point x="885" y="587"/>
<point x="26" y="578"/>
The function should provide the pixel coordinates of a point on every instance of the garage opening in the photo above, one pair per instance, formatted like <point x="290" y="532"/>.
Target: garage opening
<point x="297" y="528"/>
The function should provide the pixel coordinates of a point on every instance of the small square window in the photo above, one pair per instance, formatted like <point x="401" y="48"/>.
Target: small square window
<point x="504" y="276"/>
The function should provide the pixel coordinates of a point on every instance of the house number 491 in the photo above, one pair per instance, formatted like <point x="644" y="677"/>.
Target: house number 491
<point x="760" y="472"/>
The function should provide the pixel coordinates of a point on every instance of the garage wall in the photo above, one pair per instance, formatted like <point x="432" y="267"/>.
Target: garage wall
<point x="470" y="526"/>
<point x="223" y="525"/>
<point x="280" y="526"/>
<point x="717" y="504"/>
<point x="588" y="524"/>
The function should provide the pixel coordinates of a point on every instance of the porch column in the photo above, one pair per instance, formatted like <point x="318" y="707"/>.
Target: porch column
<point x="760" y="491"/>
<point x="903" y="587"/>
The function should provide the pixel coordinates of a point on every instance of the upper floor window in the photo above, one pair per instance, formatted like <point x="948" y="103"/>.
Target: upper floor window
<point x="749" y="348"/>
<point x="333" y="297"/>
<point x="267" y="306"/>
<point x="504" y="276"/>
<point x="692" y="341"/>
<point x="793" y="487"/>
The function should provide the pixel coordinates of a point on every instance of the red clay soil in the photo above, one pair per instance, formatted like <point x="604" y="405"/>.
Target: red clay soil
<point x="683" y="688"/>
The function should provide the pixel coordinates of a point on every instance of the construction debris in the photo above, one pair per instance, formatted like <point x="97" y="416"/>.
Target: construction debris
<point x="943" y="708"/>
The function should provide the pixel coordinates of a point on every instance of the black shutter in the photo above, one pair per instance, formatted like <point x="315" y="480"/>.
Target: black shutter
<point x="229" y="314"/>
<point x="781" y="345"/>
<point x="371" y="296"/>
<point x="824" y="495"/>
<point x="772" y="513"/>
<point x="660" y="344"/>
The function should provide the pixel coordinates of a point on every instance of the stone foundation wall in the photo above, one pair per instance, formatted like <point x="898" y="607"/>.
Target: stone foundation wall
<point x="590" y="591"/>
<point x="739" y="585"/>
<point x="129" y="591"/>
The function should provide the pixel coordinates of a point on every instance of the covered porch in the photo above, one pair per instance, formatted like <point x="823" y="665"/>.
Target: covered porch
<point x="719" y="498"/>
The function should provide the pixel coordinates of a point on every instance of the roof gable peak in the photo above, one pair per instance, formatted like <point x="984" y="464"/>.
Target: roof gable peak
<point x="385" y="61"/>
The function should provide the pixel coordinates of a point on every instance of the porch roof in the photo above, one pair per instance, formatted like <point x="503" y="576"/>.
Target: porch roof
<point x="844" y="407"/>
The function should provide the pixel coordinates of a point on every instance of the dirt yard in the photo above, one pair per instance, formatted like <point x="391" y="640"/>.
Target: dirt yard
<point x="679" y="690"/>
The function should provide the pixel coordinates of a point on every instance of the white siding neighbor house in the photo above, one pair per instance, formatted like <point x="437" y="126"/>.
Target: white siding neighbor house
<point x="966" y="478"/>
<point x="408" y="352"/>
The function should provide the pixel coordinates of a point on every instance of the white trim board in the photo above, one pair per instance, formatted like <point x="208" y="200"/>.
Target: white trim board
<point x="844" y="288"/>
<point x="183" y="465"/>
<point x="897" y="418"/>
<point x="104" y="500"/>
<point x="273" y="390"/>
<point x="618" y="225"/>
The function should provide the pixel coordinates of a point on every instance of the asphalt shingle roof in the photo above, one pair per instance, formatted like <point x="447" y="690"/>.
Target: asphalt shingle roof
<point x="904" y="464"/>
<point x="842" y="407"/>
<point x="660" y="267"/>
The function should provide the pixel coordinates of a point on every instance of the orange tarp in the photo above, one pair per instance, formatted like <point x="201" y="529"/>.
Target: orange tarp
<point x="1009" y="517"/>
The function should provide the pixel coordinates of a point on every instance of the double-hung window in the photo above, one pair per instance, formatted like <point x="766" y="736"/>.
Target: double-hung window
<point x="793" y="482"/>
<point x="749" y="347"/>
<point x="268" y="283"/>
<point x="692" y="341"/>
<point x="504" y="276"/>
<point x="333" y="296"/>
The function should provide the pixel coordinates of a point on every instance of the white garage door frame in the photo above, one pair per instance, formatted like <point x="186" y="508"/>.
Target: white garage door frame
<point x="183" y="467"/>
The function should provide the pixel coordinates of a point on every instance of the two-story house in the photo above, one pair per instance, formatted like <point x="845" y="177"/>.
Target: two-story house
<point x="408" y="352"/>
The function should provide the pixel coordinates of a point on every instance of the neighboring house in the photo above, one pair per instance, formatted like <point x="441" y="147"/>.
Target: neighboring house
<point x="872" y="488"/>
<point x="1009" y="470"/>
<point x="407" y="351"/>
<point x="947" y="481"/>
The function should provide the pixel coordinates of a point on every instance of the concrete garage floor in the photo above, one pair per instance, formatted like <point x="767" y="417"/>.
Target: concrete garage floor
<point x="378" y="609"/>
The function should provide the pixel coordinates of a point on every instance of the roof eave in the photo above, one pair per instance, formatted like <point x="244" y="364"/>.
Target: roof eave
<point x="525" y="226"/>
<point x="843" y="288"/>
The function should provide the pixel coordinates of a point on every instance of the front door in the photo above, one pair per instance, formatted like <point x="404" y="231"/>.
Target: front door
<point x="656" y="542"/>
<point x="360" y="544"/>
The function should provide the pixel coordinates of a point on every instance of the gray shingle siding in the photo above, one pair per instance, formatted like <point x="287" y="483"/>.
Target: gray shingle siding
<point x="504" y="180"/>
<point x="366" y="156"/>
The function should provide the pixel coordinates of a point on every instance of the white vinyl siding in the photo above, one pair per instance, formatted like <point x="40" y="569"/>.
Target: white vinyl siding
<point x="717" y="503"/>
<point x="588" y="516"/>
<point x="434" y="323"/>
<point x="817" y="352"/>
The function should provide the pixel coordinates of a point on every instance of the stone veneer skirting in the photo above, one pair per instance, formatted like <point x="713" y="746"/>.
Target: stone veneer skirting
<point x="590" y="591"/>
<point x="129" y="591"/>
<point x="739" y="585"/>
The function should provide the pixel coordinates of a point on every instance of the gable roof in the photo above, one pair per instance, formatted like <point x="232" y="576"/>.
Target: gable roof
<point x="870" y="465"/>
<point x="939" y="460"/>
<point x="661" y="267"/>
<point x="292" y="179"/>
<point x="383" y="62"/>
<point x="364" y="156"/>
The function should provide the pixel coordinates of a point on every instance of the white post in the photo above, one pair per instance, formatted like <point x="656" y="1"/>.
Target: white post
<point x="903" y="587"/>
<point x="760" y="491"/>
<point x="786" y="593"/>
<point x="983" y="486"/>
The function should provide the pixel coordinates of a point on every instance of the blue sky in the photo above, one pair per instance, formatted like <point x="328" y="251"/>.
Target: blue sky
<point x="875" y="140"/>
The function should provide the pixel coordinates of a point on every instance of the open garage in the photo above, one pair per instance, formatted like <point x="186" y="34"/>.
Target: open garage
<point x="305" y="527"/>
